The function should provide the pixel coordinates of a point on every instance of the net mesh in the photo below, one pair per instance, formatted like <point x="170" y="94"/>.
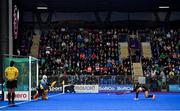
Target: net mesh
<point x="23" y="64"/>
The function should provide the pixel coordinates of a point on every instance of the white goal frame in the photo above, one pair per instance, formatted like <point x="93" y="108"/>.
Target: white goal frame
<point x="30" y="75"/>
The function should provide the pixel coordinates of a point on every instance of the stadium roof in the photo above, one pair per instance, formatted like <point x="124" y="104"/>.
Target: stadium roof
<point x="100" y="5"/>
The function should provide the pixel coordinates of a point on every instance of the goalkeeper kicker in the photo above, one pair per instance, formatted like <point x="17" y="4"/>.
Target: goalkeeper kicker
<point x="43" y="88"/>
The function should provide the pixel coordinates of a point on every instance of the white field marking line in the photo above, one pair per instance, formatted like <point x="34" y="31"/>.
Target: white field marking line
<point x="29" y="101"/>
<point x="93" y="110"/>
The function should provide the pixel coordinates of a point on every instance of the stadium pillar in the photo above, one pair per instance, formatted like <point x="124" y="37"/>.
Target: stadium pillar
<point x="5" y="28"/>
<point x="4" y="41"/>
<point x="10" y="26"/>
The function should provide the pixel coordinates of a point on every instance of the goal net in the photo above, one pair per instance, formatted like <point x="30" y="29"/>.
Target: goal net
<point x="27" y="80"/>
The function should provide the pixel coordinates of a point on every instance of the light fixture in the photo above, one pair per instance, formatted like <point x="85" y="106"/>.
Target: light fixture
<point x="42" y="8"/>
<point x="164" y="7"/>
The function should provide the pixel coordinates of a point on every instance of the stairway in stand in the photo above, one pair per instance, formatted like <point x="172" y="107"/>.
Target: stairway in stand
<point x="137" y="70"/>
<point x="146" y="50"/>
<point x="124" y="53"/>
<point x="35" y="46"/>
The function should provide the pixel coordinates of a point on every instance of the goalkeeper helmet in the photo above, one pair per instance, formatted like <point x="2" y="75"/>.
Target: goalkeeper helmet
<point x="44" y="77"/>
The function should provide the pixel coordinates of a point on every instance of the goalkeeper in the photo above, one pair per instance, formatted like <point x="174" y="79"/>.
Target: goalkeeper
<point x="43" y="88"/>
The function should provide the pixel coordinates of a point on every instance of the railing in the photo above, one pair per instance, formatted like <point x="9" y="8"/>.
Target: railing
<point x="92" y="79"/>
<point x="113" y="79"/>
<point x="154" y="83"/>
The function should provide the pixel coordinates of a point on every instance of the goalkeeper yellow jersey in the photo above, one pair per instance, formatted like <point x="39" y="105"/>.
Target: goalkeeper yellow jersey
<point x="11" y="73"/>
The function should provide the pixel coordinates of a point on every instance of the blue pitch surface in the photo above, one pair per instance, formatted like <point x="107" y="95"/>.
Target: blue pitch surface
<point x="105" y="102"/>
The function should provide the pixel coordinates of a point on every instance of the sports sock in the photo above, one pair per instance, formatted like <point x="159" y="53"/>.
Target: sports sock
<point x="150" y="96"/>
<point x="137" y="94"/>
<point x="13" y="96"/>
<point x="9" y="98"/>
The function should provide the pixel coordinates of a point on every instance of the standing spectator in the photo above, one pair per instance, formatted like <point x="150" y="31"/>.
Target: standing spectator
<point x="171" y="76"/>
<point x="11" y="74"/>
<point x="163" y="78"/>
<point x="153" y="73"/>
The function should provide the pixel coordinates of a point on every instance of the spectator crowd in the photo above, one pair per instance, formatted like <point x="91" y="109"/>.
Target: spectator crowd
<point x="93" y="55"/>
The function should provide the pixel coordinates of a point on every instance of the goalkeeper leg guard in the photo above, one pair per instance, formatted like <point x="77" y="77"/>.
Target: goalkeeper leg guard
<point x="44" y="96"/>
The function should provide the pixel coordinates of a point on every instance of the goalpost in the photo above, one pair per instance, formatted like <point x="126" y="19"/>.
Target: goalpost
<point x="27" y="80"/>
<point x="33" y="75"/>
